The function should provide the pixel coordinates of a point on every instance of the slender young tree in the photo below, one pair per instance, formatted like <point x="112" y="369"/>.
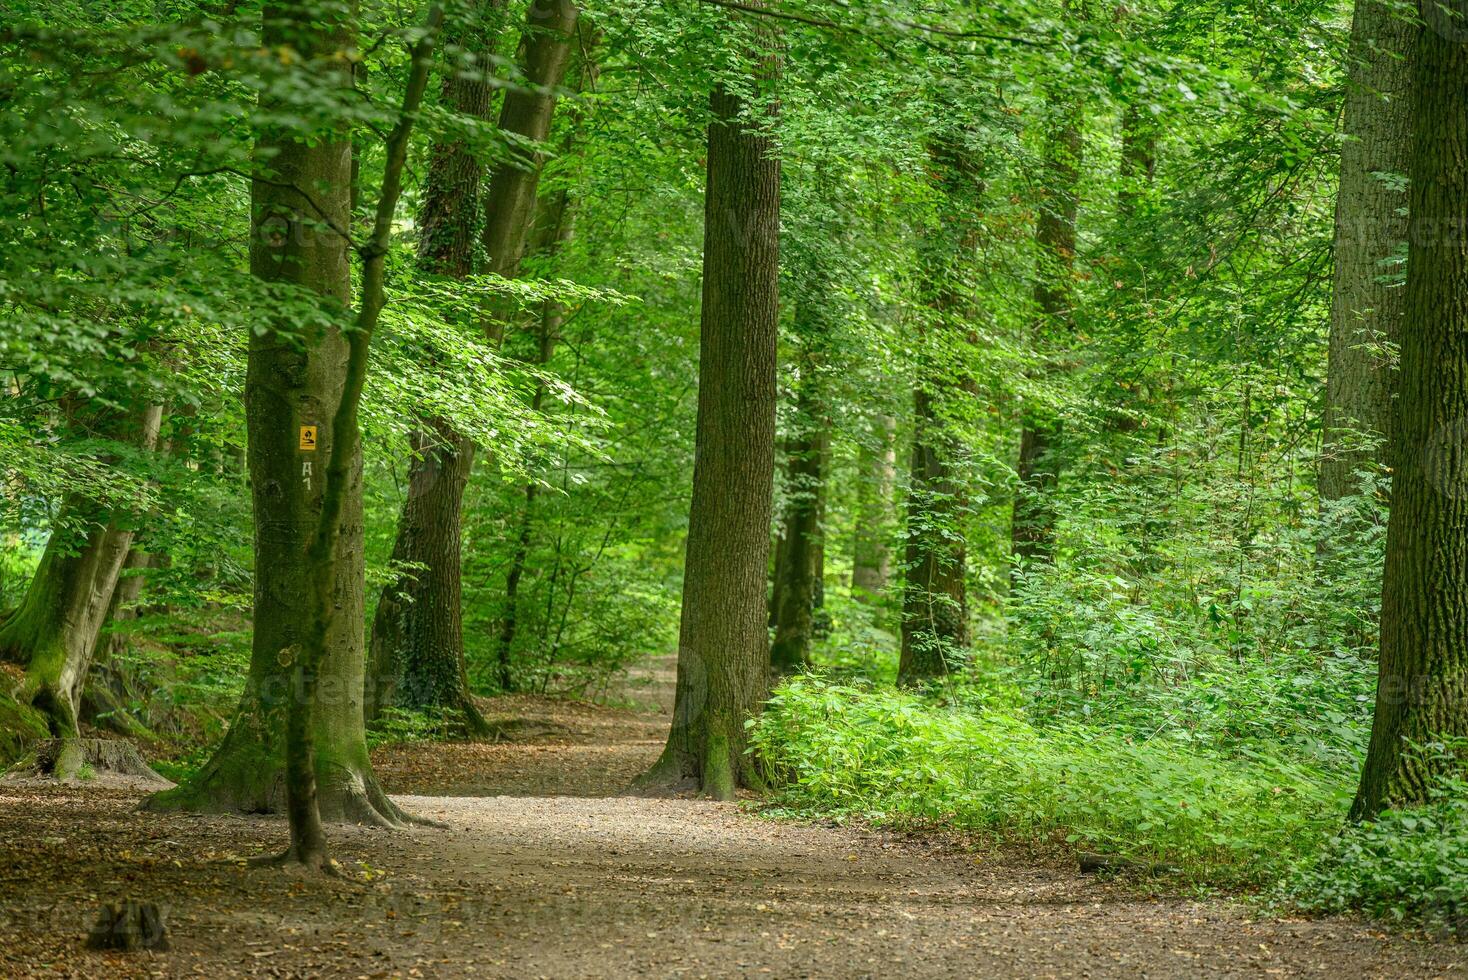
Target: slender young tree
<point x="1422" y="688"/>
<point x="54" y="633"/>
<point x="1370" y="229"/>
<point x="723" y="646"/>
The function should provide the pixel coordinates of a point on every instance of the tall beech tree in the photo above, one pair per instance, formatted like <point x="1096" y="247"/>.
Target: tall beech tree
<point x="1422" y="686"/>
<point x="298" y="739"/>
<point x="417" y="636"/>
<point x="723" y="646"/>
<point x="343" y="472"/>
<point x="54" y="633"/>
<point x="1370" y="230"/>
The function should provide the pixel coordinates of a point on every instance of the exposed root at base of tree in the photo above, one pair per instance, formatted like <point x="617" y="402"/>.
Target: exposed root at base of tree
<point x="347" y="797"/>
<point x="291" y="857"/>
<point x="717" y="776"/>
<point x="103" y="761"/>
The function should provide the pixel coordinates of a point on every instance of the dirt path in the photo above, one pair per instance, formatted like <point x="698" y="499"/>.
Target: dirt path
<point x="543" y="873"/>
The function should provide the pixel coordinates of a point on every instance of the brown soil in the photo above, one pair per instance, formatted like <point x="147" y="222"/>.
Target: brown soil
<point x="543" y="872"/>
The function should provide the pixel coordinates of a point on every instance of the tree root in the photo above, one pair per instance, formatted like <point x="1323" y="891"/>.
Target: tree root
<point x="291" y="858"/>
<point x="108" y="762"/>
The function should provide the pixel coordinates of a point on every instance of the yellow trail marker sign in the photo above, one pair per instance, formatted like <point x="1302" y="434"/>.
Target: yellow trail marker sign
<point x="308" y="438"/>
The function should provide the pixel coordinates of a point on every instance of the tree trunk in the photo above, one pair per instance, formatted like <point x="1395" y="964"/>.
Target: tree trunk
<point x="1033" y="527"/>
<point x="106" y="692"/>
<point x="1422" y="689"/>
<point x="124" y="605"/>
<point x="416" y="651"/>
<point x="801" y="569"/>
<point x="872" y="559"/>
<point x="934" y="596"/>
<point x="291" y="389"/>
<point x="1366" y="311"/>
<point x="1138" y="158"/>
<point x="417" y="645"/>
<point x="55" y="631"/>
<point x="935" y="599"/>
<point x="527" y="112"/>
<point x="556" y="228"/>
<point x="723" y="647"/>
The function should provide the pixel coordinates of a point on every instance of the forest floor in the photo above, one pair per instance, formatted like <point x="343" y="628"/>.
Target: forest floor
<point x="545" y="871"/>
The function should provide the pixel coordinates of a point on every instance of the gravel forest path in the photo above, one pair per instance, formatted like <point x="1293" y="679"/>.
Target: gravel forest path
<point x="545" y="871"/>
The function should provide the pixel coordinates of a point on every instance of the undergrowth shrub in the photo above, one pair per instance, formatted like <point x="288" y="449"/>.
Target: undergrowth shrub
<point x="1407" y="865"/>
<point x="890" y="756"/>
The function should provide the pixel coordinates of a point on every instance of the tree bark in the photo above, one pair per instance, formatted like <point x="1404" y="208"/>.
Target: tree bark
<point x="802" y="565"/>
<point x="1033" y="525"/>
<point x="416" y="651"/>
<point x="1422" y="689"/>
<point x="298" y="738"/>
<point x="527" y="112"/>
<point x="417" y="645"/>
<point x="55" y="631"/>
<point x="935" y="595"/>
<point x="1370" y="227"/>
<point x="871" y="565"/>
<point x="935" y="599"/>
<point x="723" y="646"/>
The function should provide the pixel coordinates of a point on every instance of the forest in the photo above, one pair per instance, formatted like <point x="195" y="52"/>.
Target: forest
<point x="733" y="487"/>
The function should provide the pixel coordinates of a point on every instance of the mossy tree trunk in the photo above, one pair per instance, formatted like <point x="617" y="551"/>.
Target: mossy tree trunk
<point x="1370" y="228"/>
<point x="55" y="631"/>
<point x="1422" y="688"/>
<point x="296" y="378"/>
<point x="723" y="644"/>
<point x="417" y="645"/>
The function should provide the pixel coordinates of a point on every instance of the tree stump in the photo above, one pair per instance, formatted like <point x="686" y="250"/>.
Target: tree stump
<point x="130" y="927"/>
